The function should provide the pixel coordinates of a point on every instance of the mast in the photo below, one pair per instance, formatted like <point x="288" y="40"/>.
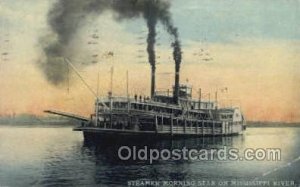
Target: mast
<point x="111" y="79"/>
<point x="127" y="85"/>
<point x="97" y="110"/>
<point x="81" y="78"/>
<point x="199" y="98"/>
<point x="216" y="99"/>
<point x="97" y="101"/>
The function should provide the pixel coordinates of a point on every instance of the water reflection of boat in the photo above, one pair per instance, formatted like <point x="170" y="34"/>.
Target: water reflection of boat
<point x="108" y="151"/>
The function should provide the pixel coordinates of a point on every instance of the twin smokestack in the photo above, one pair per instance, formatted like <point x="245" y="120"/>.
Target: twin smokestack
<point x="177" y="58"/>
<point x="176" y="86"/>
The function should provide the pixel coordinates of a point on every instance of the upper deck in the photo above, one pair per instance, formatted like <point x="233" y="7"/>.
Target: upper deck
<point x="157" y="101"/>
<point x="162" y="103"/>
<point x="188" y="108"/>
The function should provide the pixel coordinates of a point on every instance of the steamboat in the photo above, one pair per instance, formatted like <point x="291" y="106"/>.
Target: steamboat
<point x="170" y="114"/>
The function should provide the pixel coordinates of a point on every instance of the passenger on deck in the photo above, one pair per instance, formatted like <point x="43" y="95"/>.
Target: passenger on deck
<point x="135" y="97"/>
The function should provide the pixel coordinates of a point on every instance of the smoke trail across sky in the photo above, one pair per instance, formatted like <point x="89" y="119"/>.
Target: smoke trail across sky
<point x="66" y="16"/>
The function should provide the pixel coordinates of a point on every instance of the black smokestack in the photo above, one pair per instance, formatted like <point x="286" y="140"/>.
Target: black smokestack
<point x="150" y="15"/>
<point x="67" y="16"/>
<point x="151" y="57"/>
<point x="177" y="58"/>
<point x="166" y="20"/>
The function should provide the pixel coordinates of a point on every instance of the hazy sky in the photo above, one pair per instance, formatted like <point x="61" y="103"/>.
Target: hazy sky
<point x="254" y="46"/>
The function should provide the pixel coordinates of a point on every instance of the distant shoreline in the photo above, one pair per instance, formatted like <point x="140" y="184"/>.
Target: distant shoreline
<point x="32" y="120"/>
<point x="28" y="119"/>
<point x="266" y="124"/>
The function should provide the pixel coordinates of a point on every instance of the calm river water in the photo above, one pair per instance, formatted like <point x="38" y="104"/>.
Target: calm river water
<point x="58" y="156"/>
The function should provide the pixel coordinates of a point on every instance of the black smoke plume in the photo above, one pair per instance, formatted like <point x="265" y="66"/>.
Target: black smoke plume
<point x="66" y="17"/>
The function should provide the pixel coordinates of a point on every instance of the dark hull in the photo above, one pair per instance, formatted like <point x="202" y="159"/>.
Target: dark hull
<point x="109" y="135"/>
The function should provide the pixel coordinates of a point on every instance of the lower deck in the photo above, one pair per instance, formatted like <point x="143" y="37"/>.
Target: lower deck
<point x="189" y="129"/>
<point x="163" y="124"/>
